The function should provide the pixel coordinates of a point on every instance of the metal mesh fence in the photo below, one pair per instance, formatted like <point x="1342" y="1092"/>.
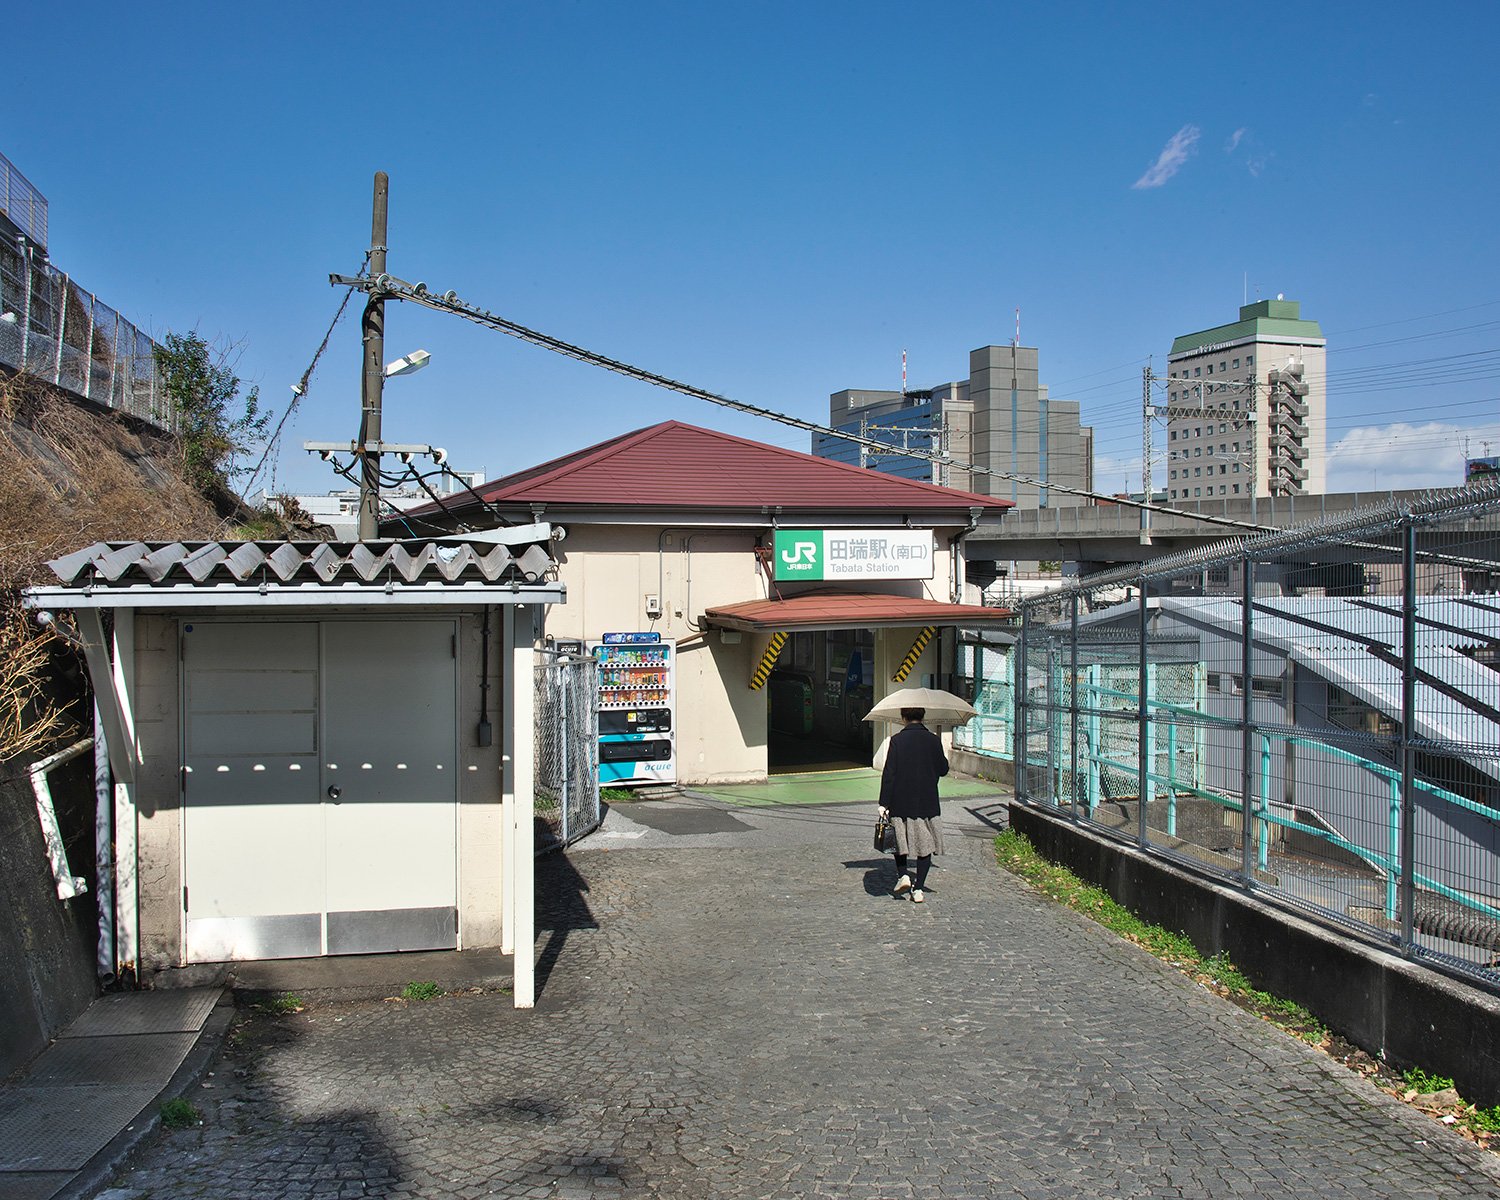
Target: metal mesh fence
<point x="1313" y="715"/>
<point x="985" y="673"/>
<point x="51" y="328"/>
<point x="567" y="763"/>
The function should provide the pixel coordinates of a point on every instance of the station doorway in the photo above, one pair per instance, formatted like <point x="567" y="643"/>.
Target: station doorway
<point x="816" y="698"/>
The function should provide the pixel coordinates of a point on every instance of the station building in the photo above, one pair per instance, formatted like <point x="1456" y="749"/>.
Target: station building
<point x="789" y="593"/>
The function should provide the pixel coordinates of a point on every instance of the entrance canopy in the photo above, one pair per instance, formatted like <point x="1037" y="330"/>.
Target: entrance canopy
<point x="849" y="610"/>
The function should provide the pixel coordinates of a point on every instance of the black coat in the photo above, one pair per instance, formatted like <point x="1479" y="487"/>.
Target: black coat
<point x="914" y="761"/>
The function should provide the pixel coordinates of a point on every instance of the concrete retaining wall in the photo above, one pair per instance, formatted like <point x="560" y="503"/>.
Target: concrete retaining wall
<point x="46" y="944"/>
<point x="981" y="766"/>
<point x="1409" y="1015"/>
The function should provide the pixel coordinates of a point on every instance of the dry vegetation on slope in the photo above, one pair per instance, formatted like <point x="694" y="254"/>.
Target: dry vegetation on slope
<point x="71" y="476"/>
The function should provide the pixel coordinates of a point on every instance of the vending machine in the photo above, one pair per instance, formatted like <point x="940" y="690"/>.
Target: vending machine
<point x="637" y="706"/>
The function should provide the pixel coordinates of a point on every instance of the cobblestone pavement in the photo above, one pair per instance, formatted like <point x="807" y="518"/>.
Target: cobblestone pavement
<point x="765" y="1020"/>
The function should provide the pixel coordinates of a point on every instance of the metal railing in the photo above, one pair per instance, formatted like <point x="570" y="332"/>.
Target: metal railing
<point x="22" y="203"/>
<point x="567" y="763"/>
<point x="1313" y="715"/>
<point x="52" y="328"/>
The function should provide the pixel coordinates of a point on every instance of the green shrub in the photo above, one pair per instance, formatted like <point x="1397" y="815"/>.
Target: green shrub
<point x="178" y="1113"/>
<point x="1420" y="1081"/>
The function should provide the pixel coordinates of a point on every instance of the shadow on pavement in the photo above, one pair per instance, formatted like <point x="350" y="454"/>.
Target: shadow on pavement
<point x="880" y="874"/>
<point x="561" y="907"/>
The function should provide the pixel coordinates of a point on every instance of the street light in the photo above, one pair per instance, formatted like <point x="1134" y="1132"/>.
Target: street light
<point x="407" y="364"/>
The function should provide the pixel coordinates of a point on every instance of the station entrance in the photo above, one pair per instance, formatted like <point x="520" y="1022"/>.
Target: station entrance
<point x="816" y="698"/>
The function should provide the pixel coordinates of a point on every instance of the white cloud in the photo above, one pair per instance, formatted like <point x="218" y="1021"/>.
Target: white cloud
<point x="1397" y="457"/>
<point x="1171" y="158"/>
<point x="1235" y="138"/>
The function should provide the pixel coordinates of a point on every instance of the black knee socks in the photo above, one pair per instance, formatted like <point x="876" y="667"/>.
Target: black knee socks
<point x="900" y="864"/>
<point x="919" y="880"/>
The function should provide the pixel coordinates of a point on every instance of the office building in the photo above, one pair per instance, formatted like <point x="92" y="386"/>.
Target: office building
<point x="999" y="419"/>
<point x="1248" y="406"/>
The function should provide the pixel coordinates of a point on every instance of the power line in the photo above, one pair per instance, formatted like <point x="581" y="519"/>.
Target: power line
<point x="390" y="287"/>
<point x="300" y="389"/>
<point x="1447" y="312"/>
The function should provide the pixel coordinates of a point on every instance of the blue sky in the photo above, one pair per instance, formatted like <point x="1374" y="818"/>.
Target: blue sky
<point x="773" y="200"/>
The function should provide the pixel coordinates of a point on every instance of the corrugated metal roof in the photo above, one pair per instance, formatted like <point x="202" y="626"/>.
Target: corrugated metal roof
<point x="380" y="564"/>
<point x="1357" y="645"/>
<point x="677" y="466"/>
<point x="849" y="610"/>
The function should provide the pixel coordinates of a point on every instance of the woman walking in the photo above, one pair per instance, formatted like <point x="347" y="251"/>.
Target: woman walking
<point x="914" y="761"/>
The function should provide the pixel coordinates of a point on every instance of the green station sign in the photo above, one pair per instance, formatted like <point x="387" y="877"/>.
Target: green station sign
<point x="818" y="554"/>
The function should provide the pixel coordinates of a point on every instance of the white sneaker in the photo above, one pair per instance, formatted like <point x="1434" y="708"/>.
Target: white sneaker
<point x="903" y="885"/>
<point x="917" y="897"/>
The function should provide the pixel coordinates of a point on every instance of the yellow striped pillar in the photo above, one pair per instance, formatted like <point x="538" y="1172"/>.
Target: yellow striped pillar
<point x="913" y="654"/>
<point x="762" y="671"/>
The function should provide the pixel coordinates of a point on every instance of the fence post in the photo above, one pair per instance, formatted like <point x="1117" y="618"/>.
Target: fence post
<point x="28" y="267"/>
<point x="62" y="325"/>
<point x="559" y="672"/>
<point x="1247" y="721"/>
<point x="1073" y="708"/>
<point x="88" y="340"/>
<point x="1393" y="849"/>
<point x="114" y="367"/>
<point x="1408" y="717"/>
<point x="1054" y="720"/>
<point x="1093" y="739"/>
<point x="1143" y="722"/>
<point x="977" y="731"/>
<point x="1018" y="703"/>
<point x="1172" y="779"/>
<point x="1263" y="806"/>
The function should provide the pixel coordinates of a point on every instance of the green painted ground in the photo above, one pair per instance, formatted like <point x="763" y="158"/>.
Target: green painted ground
<point x="858" y="786"/>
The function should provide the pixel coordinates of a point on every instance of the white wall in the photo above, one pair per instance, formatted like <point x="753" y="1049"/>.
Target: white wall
<point x="721" y="723"/>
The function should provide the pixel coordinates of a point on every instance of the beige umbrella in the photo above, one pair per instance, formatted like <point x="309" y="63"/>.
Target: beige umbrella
<point x="941" y="708"/>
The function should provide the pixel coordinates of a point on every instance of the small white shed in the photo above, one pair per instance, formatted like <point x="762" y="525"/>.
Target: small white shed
<point x="317" y="748"/>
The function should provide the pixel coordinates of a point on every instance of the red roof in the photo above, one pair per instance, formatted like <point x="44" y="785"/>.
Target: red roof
<point x="849" y="610"/>
<point x="677" y="466"/>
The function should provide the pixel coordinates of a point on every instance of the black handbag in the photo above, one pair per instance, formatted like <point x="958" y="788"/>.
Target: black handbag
<point x="885" y="837"/>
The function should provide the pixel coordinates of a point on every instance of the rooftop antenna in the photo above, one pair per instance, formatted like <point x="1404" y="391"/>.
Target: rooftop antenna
<point x="903" y="373"/>
<point x="1017" y="342"/>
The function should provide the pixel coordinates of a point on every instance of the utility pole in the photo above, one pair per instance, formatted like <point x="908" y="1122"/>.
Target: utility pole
<point x="372" y="380"/>
<point x="1150" y="412"/>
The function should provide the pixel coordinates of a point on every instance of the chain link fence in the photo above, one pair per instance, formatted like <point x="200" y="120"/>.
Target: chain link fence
<point x="567" y="755"/>
<point x="55" y="330"/>
<point x="1312" y="714"/>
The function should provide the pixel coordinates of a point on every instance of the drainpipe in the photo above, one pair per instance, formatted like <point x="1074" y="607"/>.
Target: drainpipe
<point x="104" y="852"/>
<point x="955" y="556"/>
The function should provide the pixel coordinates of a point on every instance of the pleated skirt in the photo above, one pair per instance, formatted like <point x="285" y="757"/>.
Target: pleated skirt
<point x="917" y="837"/>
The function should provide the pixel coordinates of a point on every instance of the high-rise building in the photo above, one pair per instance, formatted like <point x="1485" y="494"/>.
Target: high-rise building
<point x="1249" y="406"/>
<point x="998" y="419"/>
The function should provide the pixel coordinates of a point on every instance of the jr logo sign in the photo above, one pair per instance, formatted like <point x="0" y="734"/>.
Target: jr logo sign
<point x="818" y="554"/>
<point x="799" y="557"/>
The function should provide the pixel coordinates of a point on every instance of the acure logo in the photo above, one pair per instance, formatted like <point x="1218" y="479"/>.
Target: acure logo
<point x="801" y="552"/>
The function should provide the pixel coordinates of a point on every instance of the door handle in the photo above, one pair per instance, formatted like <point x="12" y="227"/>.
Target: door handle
<point x="334" y="791"/>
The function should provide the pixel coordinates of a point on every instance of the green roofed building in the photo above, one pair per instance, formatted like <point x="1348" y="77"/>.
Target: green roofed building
<point x="1248" y="405"/>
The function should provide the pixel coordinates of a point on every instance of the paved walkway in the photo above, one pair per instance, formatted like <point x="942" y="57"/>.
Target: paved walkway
<point x="733" y="1005"/>
<point x="101" y="1077"/>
